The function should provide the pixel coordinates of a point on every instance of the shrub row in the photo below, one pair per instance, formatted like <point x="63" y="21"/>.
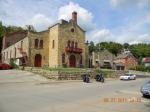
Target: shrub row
<point x="141" y="68"/>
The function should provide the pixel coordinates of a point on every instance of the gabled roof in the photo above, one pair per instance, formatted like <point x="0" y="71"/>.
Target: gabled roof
<point x="124" y="55"/>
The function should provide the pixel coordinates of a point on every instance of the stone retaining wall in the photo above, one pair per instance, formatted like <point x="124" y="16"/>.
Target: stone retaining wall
<point x="61" y="75"/>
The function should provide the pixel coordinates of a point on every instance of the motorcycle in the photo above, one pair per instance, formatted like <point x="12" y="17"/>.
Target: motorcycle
<point x="86" y="78"/>
<point x="99" y="78"/>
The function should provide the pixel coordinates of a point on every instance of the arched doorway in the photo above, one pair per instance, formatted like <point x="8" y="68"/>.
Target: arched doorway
<point x="37" y="60"/>
<point x="72" y="61"/>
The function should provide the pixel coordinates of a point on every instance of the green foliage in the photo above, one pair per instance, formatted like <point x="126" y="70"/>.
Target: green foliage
<point x="112" y="47"/>
<point x="104" y="73"/>
<point x="6" y="30"/>
<point x="13" y="64"/>
<point x="140" y="50"/>
<point x="126" y="45"/>
<point x="12" y="29"/>
<point x="30" y="28"/>
<point x="64" y="65"/>
<point x="141" y="68"/>
<point x="92" y="47"/>
<point x="1" y="34"/>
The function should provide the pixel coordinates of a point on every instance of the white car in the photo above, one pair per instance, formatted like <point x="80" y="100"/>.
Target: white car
<point x="128" y="77"/>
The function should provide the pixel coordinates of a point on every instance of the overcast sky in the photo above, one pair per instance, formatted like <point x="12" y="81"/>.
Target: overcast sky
<point x="104" y="20"/>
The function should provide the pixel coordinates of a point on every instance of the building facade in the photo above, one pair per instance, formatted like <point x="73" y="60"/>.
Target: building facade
<point x="63" y="44"/>
<point x="102" y="59"/>
<point x="125" y="60"/>
<point x="146" y="61"/>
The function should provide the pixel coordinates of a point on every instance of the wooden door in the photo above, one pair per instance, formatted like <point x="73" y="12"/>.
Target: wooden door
<point x="72" y="61"/>
<point x="37" y="60"/>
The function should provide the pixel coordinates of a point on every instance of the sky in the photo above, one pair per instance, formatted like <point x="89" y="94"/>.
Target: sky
<point x="123" y="21"/>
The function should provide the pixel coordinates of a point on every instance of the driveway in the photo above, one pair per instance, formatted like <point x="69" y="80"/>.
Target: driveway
<point x="18" y="76"/>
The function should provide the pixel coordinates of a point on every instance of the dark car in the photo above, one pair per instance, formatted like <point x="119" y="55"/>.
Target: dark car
<point x="4" y="66"/>
<point x="145" y="89"/>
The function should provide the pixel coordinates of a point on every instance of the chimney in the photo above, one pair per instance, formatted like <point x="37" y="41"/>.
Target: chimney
<point x="74" y="17"/>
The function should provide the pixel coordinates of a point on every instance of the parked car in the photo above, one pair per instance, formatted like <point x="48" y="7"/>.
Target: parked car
<point x="128" y="76"/>
<point x="4" y="66"/>
<point x="145" y="89"/>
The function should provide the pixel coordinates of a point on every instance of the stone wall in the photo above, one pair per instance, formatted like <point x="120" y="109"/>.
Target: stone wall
<point x="42" y="51"/>
<point x="53" y="46"/>
<point x="99" y="57"/>
<point x="61" y="75"/>
<point x="65" y="35"/>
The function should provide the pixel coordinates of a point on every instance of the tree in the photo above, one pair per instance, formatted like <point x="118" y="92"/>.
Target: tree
<point x="92" y="47"/>
<point x="112" y="47"/>
<point x="126" y="45"/>
<point x="30" y="28"/>
<point x="1" y="34"/>
<point x="7" y="30"/>
<point x="140" y="50"/>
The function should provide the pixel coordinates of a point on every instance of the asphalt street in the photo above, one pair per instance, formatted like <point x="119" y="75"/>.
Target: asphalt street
<point x="22" y="91"/>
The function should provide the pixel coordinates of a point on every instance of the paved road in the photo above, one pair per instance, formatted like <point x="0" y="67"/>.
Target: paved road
<point x="26" y="92"/>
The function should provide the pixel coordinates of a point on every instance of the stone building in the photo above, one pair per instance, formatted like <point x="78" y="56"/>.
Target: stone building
<point x="103" y="59"/>
<point x="63" y="44"/>
<point x="125" y="60"/>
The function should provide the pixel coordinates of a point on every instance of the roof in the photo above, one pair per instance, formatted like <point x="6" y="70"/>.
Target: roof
<point x="147" y="59"/>
<point x="124" y="55"/>
<point x="14" y="33"/>
<point x="13" y="38"/>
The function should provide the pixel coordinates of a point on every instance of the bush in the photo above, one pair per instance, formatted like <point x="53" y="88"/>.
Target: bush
<point x="105" y="73"/>
<point x="65" y="65"/>
<point x="13" y="64"/>
<point x="141" y="68"/>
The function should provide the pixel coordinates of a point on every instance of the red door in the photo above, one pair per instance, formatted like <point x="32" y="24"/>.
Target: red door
<point x="72" y="61"/>
<point x="37" y="60"/>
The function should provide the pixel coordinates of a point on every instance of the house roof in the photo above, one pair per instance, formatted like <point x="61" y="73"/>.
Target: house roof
<point x="147" y="59"/>
<point x="124" y="55"/>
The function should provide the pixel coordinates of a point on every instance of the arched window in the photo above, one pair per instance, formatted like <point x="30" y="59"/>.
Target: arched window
<point x="41" y="43"/>
<point x="53" y="44"/>
<point x="63" y="58"/>
<point x="72" y="44"/>
<point x="76" y="45"/>
<point x="68" y="43"/>
<point x="36" y="43"/>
